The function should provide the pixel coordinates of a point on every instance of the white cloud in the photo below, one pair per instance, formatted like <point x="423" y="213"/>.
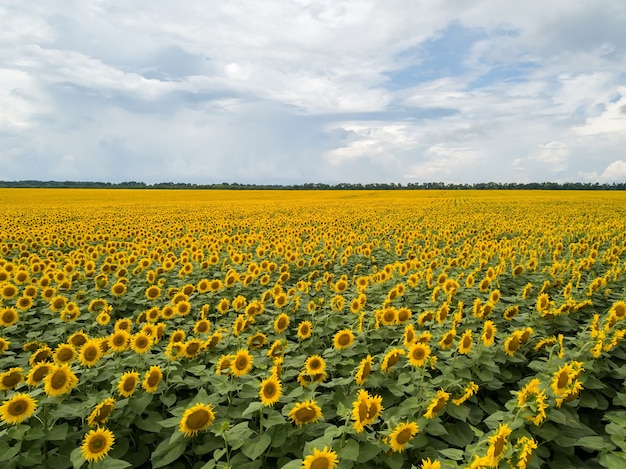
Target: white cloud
<point x="552" y="156"/>
<point x="614" y="172"/>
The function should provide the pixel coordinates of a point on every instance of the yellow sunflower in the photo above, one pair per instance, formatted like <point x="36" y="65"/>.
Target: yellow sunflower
<point x="276" y="350"/>
<point x="401" y="435"/>
<point x="60" y="380"/>
<point x="364" y="370"/>
<point x="101" y="413"/>
<point x="141" y="342"/>
<point x="315" y="365"/>
<point x="17" y="408"/>
<point x="223" y="364"/>
<point x="242" y="363"/>
<point x="119" y="340"/>
<point x="152" y="378"/>
<point x="4" y="344"/>
<point x="489" y="333"/>
<point x="305" y="328"/>
<point x="203" y="326"/>
<point x="90" y="353"/>
<point x="465" y="344"/>
<point x="281" y="323"/>
<point x="325" y="459"/>
<point x="391" y="358"/>
<point x="437" y="404"/>
<point x="8" y="317"/>
<point x="256" y="341"/>
<point x="128" y="383"/>
<point x="77" y="339"/>
<point x="10" y="379"/>
<point x="38" y="373"/>
<point x="418" y="354"/>
<point x="343" y="339"/>
<point x="97" y="444"/>
<point x="497" y="445"/>
<point x="305" y="412"/>
<point x="428" y="464"/>
<point x="192" y="348"/>
<point x="196" y="419"/>
<point x="270" y="391"/>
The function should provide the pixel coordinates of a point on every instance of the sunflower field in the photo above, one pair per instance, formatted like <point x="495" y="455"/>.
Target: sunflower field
<point x="317" y="330"/>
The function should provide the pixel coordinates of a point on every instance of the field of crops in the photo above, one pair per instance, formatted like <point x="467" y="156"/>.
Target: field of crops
<point x="205" y="329"/>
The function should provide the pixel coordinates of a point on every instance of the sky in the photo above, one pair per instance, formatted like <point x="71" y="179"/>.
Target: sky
<point x="299" y="91"/>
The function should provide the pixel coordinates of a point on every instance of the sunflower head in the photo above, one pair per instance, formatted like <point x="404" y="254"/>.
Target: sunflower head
<point x="241" y="363"/>
<point x="17" y="408"/>
<point x="97" y="444"/>
<point x="343" y="339"/>
<point x="305" y="412"/>
<point x="196" y="419"/>
<point x="270" y="391"/>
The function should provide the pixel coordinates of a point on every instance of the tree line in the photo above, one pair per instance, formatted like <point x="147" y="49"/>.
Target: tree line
<point x="321" y="186"/>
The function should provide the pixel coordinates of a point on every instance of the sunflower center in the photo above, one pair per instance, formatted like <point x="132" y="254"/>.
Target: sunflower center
<point x="119" y="340"/>
<point x="343" y="339"/>
<point x="282" y="323"/>
<point x="11" y="380"/>
<point x="467" y="342"/>
<point x="372" y="410"/>
<point x="153" y="379"/>
<point x="447" y="340"/>
<point x="193" y="348"/>
<point x="198" y="419"/>
<point x="305" y="414"/>
<point x="563" y="379"/>
<point x="498" y="446"/>
<point x="8" y="316"/>
<point x="620" y="311"/>
<point x="389" y="316"/>
<point x="393" y="359"/>
<point x="241" y="363"/>
<point x="269" y="390"/>
<point x="514" y="344"/>
<point x="441" y="402"/>
<point x="363" y="411"/>
<point x="304" y="330"/>
<point x="97" y="444"/>
<point x="488" y="334"/>
<point x="59" y="379"/>
<point x="91" y="353"/>
<point x="320" y="462"/>
<point x="17" y="408"/>
<point x="40" y="373"/>
<point x="142" y="342"/>
<point x="404" y="436"/>
<point x="315" y="365"/>
<point x="129" y="384"/>
<point x="419" y="354"/>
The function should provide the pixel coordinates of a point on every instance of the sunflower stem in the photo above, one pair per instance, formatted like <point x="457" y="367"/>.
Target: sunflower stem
<point x="260" y="422"/>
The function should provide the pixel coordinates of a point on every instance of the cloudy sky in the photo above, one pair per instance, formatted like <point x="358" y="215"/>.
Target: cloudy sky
<point x="295" y="91"/>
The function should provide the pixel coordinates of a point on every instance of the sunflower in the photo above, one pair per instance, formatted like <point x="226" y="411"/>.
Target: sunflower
<point x="196" y="419"/>
<point x="325" y="459"/>
<point x="618" y="310"/>
<point x="365" y="409"/>
<point x="418" y="354"/>
<point x="153" y="292"/>
<point x="60" y="380"/>
<point x="391" y="358"/>
<point x="305" y="329"/>
<point x="8" y="317"/>
<point x="17" y="408"/>
<point x="512" y="344"/>
<point x="256" y="341"/>
<point x="224" y="364"/>
<point x="78" y="339"/>
<point x="97" y="444"/>
<point x="314" y="365"/>
<point x="305" y="412"/>
<point x="10" y="379"/>
<point x="437" y="404"/>
<point x="90" y="353"/>
<point x="119" y="340"/>
<point x="543" y="302"/>
<point x="192" y="348"/>
<point x="401" y="435"/>
<point x="497" y="445"/>
<point x="465" y="344"/>
<point x="561" y="380"/>
<point x="141" y="342"/>
<point x="469" y="391"/>
<point x="212" y="341"/>
<point x="4" y="344"/>
<point x="123" y="324"/>
<point x="364" y="370"/>
<point x="270" y="391"/>
<point x="242" y="363"/>
<point x="203" y="326"/>
<point x="489" y="333"/>
<point x="152" y="378"/>
<point x="343" y="339"/>
<point x="281" y="323"/>
<point x="182" y="308"/>
<point x="128" y="383"/>
<point x="428" y="464"/>
<point x="101" y="413"/>
<point x="276" y="350"/>
<point x="389" y="316"/>
<point x="8" y="291"/>
<point x="510" y="312"/>
<point x="24" y="303"/>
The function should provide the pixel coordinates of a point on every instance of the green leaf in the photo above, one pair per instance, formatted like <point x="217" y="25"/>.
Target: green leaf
<point x="350" y="451"/>
<point x="273" y="418"/>
<point x="367" y="452"/>
<point x="11" y="452"/>
<point x="77" y="459"/>
<point x="168" y="399"/>
<point x="452" y="453"/>
<point x="109" y="463"/>
<point x="458" y="412"/>
<point x="255" y="448"/>
<point x="295" y="464"/>
<point x="596" y="443"/>
<point x="459" y="434"/>
<point x="252" y="407"/>
<point x="166" y="453"/>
